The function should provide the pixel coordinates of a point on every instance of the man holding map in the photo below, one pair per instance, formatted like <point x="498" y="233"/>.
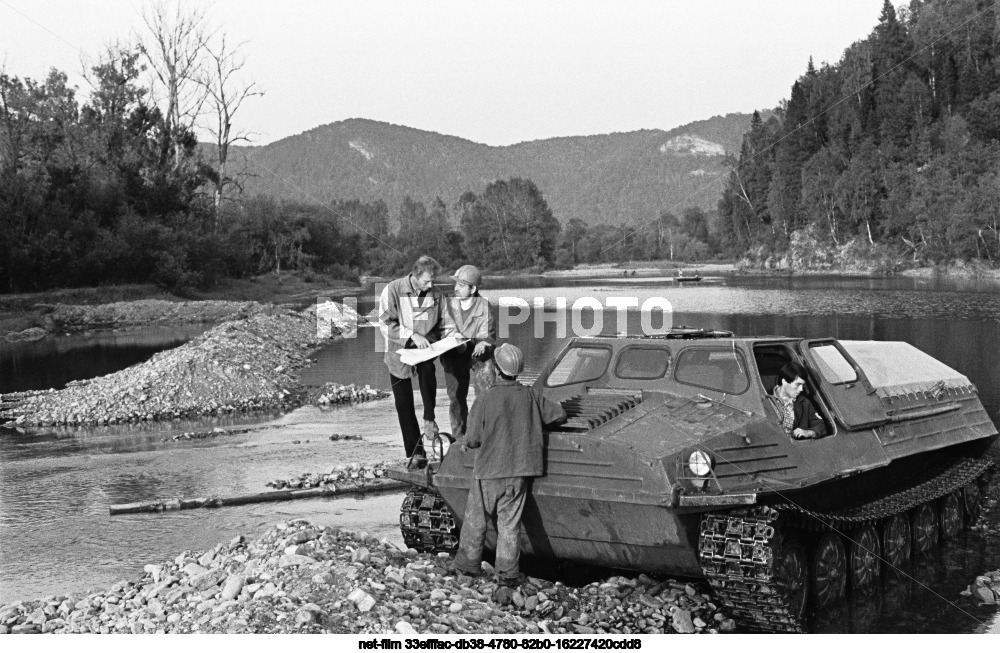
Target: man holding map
<point x="410" y="317"/>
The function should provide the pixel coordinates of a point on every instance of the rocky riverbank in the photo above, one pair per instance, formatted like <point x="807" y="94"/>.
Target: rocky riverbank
<point x="71" y="318"/>
<point x="297" y="578"/>
<point x="244" y="364"/>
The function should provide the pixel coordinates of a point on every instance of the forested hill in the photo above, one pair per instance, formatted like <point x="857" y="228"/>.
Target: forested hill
<point x="894" y="150"/>
<point x="608" y="179"/>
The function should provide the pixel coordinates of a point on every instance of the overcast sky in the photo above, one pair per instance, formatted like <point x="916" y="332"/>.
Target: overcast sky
<point x="491" y="72"/>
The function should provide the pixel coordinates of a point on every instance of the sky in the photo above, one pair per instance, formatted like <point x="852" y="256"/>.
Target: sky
<point x="492" y="72"/>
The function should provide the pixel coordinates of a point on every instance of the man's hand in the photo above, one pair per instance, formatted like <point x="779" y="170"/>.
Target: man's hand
<point x="803" y="434"/>
<point x="480" y="349"/>
<point x="420" y="341"/>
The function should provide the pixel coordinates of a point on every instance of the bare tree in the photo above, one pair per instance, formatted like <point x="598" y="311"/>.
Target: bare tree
<point x="174" y="47"/>
<point x="226" y="92"/>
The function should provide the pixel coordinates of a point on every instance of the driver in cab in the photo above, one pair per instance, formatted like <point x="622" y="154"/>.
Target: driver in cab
<point x="798" y="415"/>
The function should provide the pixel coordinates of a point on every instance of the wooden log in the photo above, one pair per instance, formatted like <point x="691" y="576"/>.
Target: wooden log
<point x="160" y="505"/>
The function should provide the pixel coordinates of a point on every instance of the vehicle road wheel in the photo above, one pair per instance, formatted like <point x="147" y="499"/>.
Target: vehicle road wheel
<point x="793" y="575"/>
<point x="971" y="494"/>
<point x="828" y="572"/>
<point x="924" y="525"/>
<point x="950" y="515"/>
<point x="864" y="560"/>
<point x="896" y="540"/>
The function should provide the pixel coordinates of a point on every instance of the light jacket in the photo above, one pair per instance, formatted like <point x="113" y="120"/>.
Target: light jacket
<point x="402" y="312"/>
<point x="478" y="323"/>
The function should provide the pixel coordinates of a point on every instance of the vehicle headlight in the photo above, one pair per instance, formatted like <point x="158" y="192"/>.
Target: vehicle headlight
<point x="700" y="463"/>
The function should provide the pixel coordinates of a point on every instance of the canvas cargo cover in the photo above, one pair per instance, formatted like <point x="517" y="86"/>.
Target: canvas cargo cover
<point x="898" y="368"/>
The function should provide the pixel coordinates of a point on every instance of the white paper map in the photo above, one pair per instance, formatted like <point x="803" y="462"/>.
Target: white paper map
<point x="414" y="356"/>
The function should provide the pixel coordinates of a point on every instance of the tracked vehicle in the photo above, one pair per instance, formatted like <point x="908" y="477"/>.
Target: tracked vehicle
<point x="674" y="460"/>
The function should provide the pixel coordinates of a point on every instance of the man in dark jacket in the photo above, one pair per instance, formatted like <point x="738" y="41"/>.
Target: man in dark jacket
<point x="798" y="414"/>
<point x="505" y="427"/>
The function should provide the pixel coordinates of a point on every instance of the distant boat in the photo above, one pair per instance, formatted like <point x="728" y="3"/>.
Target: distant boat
<point x="683" y="278"/>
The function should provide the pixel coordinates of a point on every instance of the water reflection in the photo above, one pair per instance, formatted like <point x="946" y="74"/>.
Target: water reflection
<point x="55" y="361"/>
<point x="923" y="597"/>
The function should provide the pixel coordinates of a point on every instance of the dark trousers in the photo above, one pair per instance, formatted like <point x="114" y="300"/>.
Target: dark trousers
<point x="461" y="369"/>
<point x="501" y="499"/>
<point x="402" y="393"/>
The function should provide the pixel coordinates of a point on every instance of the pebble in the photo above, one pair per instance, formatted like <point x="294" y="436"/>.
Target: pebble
<point x="681" y="621"/>
<point x="233" y="587"/>
<point x="253" y="588"/>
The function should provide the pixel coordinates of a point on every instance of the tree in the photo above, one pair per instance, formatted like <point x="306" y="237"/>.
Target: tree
<point x="174" y="49"/>
<point x="510" y="226"/>
<point x="226" y="94"/>
<point x="576" y="230"/>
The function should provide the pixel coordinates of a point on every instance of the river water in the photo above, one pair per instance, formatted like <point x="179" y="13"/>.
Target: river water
<point x="56" y="484"/>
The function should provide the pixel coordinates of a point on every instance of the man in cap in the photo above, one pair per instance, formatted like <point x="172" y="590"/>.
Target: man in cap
<point x="410" y="316"/>
<point x="505" y="429"/>
<point x="469" y="315"/>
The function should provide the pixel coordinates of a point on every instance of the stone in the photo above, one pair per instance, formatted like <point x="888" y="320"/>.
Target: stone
<point x="405" y="628"/>
<point x="233" y="587"/>
<point x="154" y="571"/>
<point x="531" y="603"/>
<point x="206" y="559"/>
<point x="681" y="620"/>
<point x="25" y="629"/>
<point x="192" y="569"/>
<point x="295" y="561"/>
<point x="456" y="607"/>
<point x="308" y="613"/>
<point x="361" y="555"/>
<point x="504" y="596"/>
<point x="208" y="580"/>
<point x="698" y="623"/>
<point x="984" y="595"/>
<point x="362" y="600"/>
<point x="438" y="595"/>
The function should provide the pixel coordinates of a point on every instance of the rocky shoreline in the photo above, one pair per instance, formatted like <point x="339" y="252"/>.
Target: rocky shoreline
<point x="297" y="578"/>
<point x="244" y="364"/>
<point x="74" y="318"/>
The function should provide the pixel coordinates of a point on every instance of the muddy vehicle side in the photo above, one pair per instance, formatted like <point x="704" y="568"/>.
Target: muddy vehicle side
<point x="674" y="460"/>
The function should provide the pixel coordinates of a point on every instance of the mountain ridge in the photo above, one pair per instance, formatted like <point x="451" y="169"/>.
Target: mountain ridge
<point x="610" y="178"/>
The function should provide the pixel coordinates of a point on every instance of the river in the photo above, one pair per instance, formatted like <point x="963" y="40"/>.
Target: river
<point x="56" y="484"/>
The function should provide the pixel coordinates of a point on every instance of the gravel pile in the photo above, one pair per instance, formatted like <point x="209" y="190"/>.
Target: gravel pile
<point x="354" y="472"/>
<point x="331" y="393"/>
<point x="297" y="578"/>
<point x="240" y="365"/>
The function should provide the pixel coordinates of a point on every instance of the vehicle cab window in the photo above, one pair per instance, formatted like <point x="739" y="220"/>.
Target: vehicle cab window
<point x="832" y="365"/>
<point x="722" y="369"/>
<point x="642" y="363"/>
<point x="579" y="364"/>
